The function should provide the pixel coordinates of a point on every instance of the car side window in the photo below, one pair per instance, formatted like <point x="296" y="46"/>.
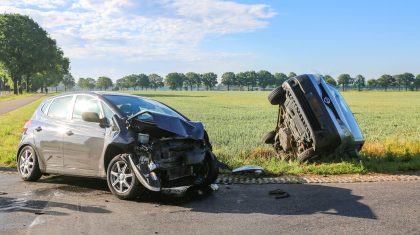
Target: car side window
<point x="107" y="112"/>
<point x="60" y="107"/>
<point x="45" y="106"/>
<point x="85" y="103"/>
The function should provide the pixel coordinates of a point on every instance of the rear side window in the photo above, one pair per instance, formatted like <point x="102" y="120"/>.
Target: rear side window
<point x="60" y="107"/>
<point x="45" y="106"/>
<point x="85" y="103"/>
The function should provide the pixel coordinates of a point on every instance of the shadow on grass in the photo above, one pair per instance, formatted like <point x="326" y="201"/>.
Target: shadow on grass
<point x="168" y="95"/>
<point x="388" y="163"/>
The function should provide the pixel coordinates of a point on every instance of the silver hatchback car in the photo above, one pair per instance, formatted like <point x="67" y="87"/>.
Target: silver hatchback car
<point x="132" y="141"/>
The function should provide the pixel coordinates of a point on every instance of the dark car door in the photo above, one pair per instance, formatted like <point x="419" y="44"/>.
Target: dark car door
<point x="83" y="142"/>
<point x="49" y="131"/>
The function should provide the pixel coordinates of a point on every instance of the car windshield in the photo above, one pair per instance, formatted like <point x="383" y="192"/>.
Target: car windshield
<point x="130" y="105"/>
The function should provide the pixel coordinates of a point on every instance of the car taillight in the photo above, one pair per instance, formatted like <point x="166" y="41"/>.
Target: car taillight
<point x="26" y="126"/>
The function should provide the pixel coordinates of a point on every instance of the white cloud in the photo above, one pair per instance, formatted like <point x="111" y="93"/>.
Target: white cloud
<point x="140" y="29"/>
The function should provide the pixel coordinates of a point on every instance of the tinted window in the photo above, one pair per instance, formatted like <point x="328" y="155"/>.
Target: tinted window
<point x="60" y="107"/>
<point x="129" y="105"/>
<point x="85" y="103"/>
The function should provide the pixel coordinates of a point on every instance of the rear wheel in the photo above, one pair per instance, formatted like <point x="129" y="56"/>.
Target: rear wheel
<point x="277" y="96"/>
<point x="306" y="155"/>
<point x="27" y="164"/>
<point x="121" y="179"/>
<point x="269" y="138"/>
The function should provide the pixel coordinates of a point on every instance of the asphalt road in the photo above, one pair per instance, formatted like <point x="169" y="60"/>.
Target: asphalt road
<point x="7" y="106"/>
<point x="70" y="205"/>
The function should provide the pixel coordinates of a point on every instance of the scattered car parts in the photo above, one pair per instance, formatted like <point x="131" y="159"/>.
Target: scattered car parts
<point x="249" y="169"/>
<point x="313" y="120"/>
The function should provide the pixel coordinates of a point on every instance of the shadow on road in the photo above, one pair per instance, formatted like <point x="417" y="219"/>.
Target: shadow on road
<point x="23" y="204"/>
<point x="305" y="199"/>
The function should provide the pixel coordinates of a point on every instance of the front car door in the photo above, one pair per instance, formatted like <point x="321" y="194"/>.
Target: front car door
<point x="83" y="142"/>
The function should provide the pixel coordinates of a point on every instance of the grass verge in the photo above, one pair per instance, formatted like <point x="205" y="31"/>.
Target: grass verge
<point x="13" y="96"/>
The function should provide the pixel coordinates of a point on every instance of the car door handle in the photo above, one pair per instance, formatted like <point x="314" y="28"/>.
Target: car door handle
<point x="69" y="133"/>
<point x="38" y="129"/>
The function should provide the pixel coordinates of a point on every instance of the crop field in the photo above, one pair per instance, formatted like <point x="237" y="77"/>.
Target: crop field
<point x="237" y="121"/>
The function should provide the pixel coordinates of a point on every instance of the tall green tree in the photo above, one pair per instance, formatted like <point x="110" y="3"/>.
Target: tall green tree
<point x="359" y="82"/>
<point x="174" y="81"/>
<point x="251" y="79"/>
<point x="292" y="74"/>
<point x="156" y="81"/>
<point x="386" y="81"/>
<point x="241" y="80"/>
<point x="192" y="79"/>
<point x="417" y="82"/>
<point x="228" y="79"/>
<point x="405" y="79"/>
<point x="143" y="81"/>
<point x="103" y="83"/>
<point x="280" y="78"/>
<point x="265" y="78"/>
<point x="26" y="49"/>
<point x="330" y="80"/>
<point x="131" y="81"/>
<point x="209" y="80"/>
<point x="372" y="83"/>
<point x="344" y="80"/>
<point x="68" y="81"/>
<point x="122" y="83"/>
<point x="91" y="83"/>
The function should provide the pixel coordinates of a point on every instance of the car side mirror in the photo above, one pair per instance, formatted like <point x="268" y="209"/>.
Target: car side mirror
<point x="90" y="117"/>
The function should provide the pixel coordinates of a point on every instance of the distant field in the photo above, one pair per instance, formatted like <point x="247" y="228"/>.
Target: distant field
<point x="236" y="122"/>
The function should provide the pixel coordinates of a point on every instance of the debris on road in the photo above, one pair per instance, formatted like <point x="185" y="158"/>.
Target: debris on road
<point x="3" y="193"/>
<point x="249" y="169"/>
<point x="279" y="193"/>
<point x="214" y="187"/>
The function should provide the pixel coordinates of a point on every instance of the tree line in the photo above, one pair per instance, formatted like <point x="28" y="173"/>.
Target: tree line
<point x="248" y="80"/>
<point x="29" y="58"/>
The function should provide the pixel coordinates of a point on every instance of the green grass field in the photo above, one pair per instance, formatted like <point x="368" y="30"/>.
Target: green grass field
<point x="237" y="121"/>
<point x="13" y="96"/>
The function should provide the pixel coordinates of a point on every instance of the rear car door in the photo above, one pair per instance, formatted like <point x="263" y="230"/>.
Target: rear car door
<point x="83" y="141"/>
<point x="48" y="132"/>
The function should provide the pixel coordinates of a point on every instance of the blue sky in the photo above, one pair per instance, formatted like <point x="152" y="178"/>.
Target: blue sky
<point x="120" y="37"/>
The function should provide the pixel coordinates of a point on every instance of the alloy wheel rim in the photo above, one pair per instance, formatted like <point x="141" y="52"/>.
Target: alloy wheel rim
<point x="121" y="177"/>
<point x="26" y="162"/>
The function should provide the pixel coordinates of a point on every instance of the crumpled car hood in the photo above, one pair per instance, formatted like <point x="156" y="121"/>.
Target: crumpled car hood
<point x="175" y="125"/>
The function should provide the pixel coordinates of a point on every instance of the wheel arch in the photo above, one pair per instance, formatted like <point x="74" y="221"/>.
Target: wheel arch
<point x="111" y="151"/>
<point x="41" y="163"/>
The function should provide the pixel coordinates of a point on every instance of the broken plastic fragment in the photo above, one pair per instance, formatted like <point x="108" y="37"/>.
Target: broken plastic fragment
<point x="279" y="193"/>
<point x="249" y="169"/>
<point x="214" y="187"/>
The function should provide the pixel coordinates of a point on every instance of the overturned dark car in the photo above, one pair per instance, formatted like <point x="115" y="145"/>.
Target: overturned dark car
<point x="134" y="142"/>
<point x="313" y="120"/>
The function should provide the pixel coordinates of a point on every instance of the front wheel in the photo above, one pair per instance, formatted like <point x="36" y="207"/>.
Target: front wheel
<point x="121" y="179"/>
<point x="211" y="169"/>
<point x="27" y="164"/>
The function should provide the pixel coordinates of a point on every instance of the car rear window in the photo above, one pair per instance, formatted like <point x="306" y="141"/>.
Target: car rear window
<point x="60" y="107"/>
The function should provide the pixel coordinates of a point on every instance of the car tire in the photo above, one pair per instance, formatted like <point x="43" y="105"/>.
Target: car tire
<point x="306" y="155"/>
<point x="212" y="168"/>
<point x="277" y="96"/>
<point x="28" y="165"/>
<point x="269" y="138"/>
<point x="121" y="179"/>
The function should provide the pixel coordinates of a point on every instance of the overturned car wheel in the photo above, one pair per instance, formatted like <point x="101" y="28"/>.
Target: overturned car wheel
<point x="277" y="96"/>
<point x="121" y="179"/>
